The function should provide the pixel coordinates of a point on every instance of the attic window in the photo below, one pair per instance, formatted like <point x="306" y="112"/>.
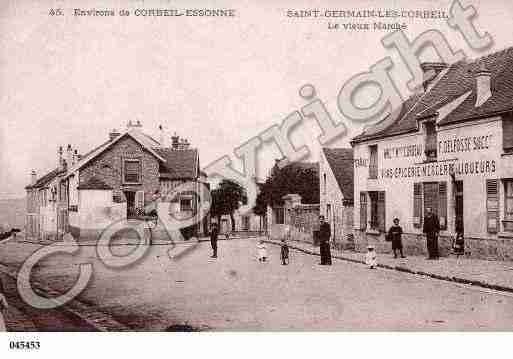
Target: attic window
<point x="431" y="141"/>
<point x="132" y="171"/>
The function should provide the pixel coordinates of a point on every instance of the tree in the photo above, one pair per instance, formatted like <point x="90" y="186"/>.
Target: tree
<point x="226" y="199"/>
<point x="300" y="178"/>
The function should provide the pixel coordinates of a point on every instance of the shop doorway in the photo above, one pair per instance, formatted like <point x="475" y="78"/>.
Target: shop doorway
<point x="458" y="206"/>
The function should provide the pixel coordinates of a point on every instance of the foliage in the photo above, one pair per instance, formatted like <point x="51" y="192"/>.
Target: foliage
<point x="294" y="178"/>
<point x="226" y="199"/>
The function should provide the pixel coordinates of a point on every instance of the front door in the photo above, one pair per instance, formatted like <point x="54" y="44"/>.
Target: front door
<point x="458" y="205"/>
<point x="130" y="204"/>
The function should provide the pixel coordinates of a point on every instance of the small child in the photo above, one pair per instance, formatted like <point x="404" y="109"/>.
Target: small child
<point x="262" y="251"/>
<point x="370" y="257"/>
<point x="284" y="255"/>
<point x="3" y="307"/>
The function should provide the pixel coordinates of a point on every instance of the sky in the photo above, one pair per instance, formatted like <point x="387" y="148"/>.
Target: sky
<point x="216" y="81"/>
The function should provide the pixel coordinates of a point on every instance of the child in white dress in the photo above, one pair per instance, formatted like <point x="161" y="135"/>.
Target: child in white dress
<point x="262" y="251"/>
<point x="370" y="257"/>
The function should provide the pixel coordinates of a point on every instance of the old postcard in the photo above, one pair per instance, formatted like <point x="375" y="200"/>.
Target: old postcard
<point x="287" y="166"/>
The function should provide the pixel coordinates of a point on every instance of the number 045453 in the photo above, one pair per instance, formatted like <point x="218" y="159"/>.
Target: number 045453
<point x="22" y="345"/>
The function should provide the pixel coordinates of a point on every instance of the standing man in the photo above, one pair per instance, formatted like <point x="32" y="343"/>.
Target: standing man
<point x="324" y="237"/>
<point x="214" y="232"/>
<point x="431" y="228"/>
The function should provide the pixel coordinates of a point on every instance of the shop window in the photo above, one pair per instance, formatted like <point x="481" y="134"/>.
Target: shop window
<point x="363" y="211"/>
<point x="431" y="141"/>
<point x="507" y="134"/>
<point x="373" y="161"/>
<point x="417" y="205"/>
<point x="377" y="213"/>
<point x="132" y="171"/>
<point x="508" y="205"/>
<point x="492" y="205"/>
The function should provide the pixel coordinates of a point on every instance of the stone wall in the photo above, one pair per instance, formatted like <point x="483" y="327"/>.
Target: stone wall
<point x="415" y="244"/>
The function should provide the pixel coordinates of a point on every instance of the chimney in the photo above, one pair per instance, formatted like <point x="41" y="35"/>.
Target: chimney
<point x="483" y="85"/>
<point x="129" y="124"/>
<point x="184" y="144"/>
<point x="33" y="177"/>
<point x="431" y="70"/>
<point x="175" y="141"/>
<point x="59" y="158"/>
<point x="113" y="134"/>
<point x="75" y="157"/>
<point x="162" y="137"/>
<point x="138" y="124"/>
<point x="69" y="156"/>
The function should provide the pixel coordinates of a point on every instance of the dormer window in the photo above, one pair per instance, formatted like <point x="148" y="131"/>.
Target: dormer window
<point x="507" y="134"/>
<point x="430" y="145"/>
<point x="373" y="161"/>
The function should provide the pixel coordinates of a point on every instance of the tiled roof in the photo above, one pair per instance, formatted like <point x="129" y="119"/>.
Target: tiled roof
<point x="145" y="140"/>
<point x="46" y="179"/>
<point x="180" y="164"/>
<point x="454" y="82"/>
<point x="341" y="162"/>
<point x="94" y="184"/>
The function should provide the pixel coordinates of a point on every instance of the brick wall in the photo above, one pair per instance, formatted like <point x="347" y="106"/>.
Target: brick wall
<point x="112" y="175"/>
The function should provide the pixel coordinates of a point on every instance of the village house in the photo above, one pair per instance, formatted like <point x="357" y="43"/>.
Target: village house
<point x="115" y="181"/>
<point x="336" y="194"/>
<point x="448" y="148"/>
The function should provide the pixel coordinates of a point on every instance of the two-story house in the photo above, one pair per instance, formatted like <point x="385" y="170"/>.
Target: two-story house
<point x="115" y="181"/>
<point x="448" y="148"/>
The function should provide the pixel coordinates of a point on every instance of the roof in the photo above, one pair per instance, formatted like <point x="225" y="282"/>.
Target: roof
<point x="94" y="183"/>
<point x="144" y="140"/>
<point x="179" y="164"/>
<point x="341" y="162"/>
<point x="46" y="179"/>
<point x="314" y="166"/>
<point x="455" y="89"/>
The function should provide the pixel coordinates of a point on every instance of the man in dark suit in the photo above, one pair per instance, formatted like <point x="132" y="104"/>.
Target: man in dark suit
<point x="431" y="227"/>
<point x="214" y="232"/>
<point x="324" y="238"/>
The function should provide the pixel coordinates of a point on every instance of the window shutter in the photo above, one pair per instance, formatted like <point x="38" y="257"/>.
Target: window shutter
<point x="363" y="211"/>
<point x="442" y="204"/>
<point x="417" y="204"/>
<point x="507" y="133"/>
<point x="132" y="171"/>
<point x="139" y="199"/>
<point x="381" y="211"/>
<point x="492" y="205"/>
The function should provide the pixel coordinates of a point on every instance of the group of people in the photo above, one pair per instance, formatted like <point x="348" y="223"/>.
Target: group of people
<point x="261" y="247"/>
<point x="431" y="228"/>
